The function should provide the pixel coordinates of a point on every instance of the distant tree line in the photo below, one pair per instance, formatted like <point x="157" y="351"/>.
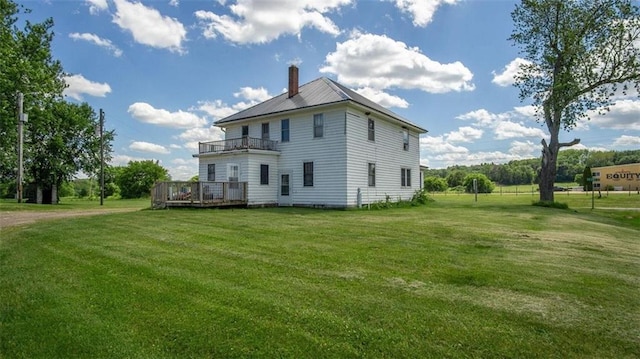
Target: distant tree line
<point x="571" y="165"/>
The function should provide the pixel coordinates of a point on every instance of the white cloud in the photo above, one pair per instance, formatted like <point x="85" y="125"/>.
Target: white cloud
<point x="508" y="129"/>
<point x="625" y="140"/>
<point x="183" y="170"/>
<point x="421" y="10"/>
<point x="77" y="85"/>
<point x="253" y="94"/>
<point x="192" y="136"/>
<point x="504" y="124"/>
<point x="95" y="39"/>
<point x="218" y="109"/>
<point x="142" y="146"/>
<point x="525" y="149"/>
<point x="146" y="113"/>
<point x="260" y="21"/>
<point x="624" y="115"/>
<point x="379" y="62"/>
<point x="464" y="134"/>
<point x="508" y="75"/>
<point x="95" y="6"/>
<point x="174" y="3"/>
<point x="382" y="98"/>
<point x="149" y="27"/>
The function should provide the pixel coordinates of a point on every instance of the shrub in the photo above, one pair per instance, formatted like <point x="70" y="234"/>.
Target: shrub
<point x="484" y="183"/>
<point x="435" y="184"/>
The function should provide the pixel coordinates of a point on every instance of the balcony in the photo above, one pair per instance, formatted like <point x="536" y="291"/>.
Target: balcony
<point x="236" y="144"/>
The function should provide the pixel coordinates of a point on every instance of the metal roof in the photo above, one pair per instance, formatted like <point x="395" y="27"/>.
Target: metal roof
<point x="321" y="91"/>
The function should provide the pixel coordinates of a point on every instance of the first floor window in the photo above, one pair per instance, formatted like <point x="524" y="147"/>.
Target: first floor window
<point x="233" y="171"/>
<point x="405" y="177"/>
<point x="308" y="174"/>
<point x="372" y="174"/>
<point x="211" y="172"/>
<point x="264" y="174"/>
<point x="318" y="125"/>
<point x="284" y="185"/>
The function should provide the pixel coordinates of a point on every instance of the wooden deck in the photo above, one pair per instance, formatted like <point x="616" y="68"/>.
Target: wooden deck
<point x="198" y="194"/>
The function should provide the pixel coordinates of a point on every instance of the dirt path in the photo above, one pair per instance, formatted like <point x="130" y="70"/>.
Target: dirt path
<point x="16" y="218"/>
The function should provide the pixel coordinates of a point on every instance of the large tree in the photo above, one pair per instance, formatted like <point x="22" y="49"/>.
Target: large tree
<point x="582" y="54"/>
<point x="59" y="137"/>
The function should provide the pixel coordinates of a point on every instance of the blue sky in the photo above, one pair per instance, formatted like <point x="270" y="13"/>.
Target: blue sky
<point x="164" y="70"/>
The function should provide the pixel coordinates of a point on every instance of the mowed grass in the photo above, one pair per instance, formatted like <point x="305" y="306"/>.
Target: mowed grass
<point x="456" y="278"/>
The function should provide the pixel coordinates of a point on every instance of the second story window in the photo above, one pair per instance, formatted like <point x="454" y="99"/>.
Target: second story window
<point x="318" y="125"/>
<point x="405" y="139"/>
<point x="284" y="130"/>
<point x="245" y="131"/>
<point x="265" y="131"/>
<point x="372" y="130"/>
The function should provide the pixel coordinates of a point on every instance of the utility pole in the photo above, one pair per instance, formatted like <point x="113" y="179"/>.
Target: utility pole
<point x="20" y="141"/>
<point x="101" y="157"/>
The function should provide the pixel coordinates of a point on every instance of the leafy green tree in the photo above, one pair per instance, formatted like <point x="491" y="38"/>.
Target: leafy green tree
<point x="484" y="183"/>
<point x="61" y="142"/>
<point x="59" y="137"/>
<point x="26" y="66"/>
<point x="435" y="184"/>
<point x="580" y="54"/>
<point x="137" y="178"/>
<point x="455" y="178"/>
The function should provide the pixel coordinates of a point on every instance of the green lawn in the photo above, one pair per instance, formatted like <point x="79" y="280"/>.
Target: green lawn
<point x="456" y="278"/>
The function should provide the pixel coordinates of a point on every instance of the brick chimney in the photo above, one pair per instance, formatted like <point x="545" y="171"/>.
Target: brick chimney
<point x="293" y="80"/>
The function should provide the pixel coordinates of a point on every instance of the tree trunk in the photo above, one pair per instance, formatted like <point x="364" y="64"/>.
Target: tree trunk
<point x="548" y="170"/>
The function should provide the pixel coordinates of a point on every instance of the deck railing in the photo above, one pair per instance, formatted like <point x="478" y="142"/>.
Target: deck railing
<point x="198" y="194"/>
<point x="232" y="144"/>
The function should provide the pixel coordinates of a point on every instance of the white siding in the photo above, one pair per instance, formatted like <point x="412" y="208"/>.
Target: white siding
<point x="340" y="165"/>
<point x="259" y="194"/>
<point x="386" y="152"/>
<point x="327" y="154"/>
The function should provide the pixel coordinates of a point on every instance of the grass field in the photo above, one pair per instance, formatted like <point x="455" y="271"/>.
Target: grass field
<point x="456" y="278"/>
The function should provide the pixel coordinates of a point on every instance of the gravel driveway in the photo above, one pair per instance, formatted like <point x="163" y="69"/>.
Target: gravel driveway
<point x="16" y="218"/>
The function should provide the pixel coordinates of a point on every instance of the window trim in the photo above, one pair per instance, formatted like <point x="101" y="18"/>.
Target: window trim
<point x="211" y="166"/>
<point x="264" y="174"/>
<point x="284" y="130"/>
<point x="405" y="177"/>
<point x="405" y="139"/>
<point x="371" y="174"/>
<point x="307" y="174"/>
<point x="318" y="125"/>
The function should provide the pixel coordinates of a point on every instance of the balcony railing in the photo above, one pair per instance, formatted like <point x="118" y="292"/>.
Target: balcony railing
<point x="234" y="144"/>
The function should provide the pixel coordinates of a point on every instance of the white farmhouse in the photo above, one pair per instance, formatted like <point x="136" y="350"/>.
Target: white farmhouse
<point x="319" y="145"/>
